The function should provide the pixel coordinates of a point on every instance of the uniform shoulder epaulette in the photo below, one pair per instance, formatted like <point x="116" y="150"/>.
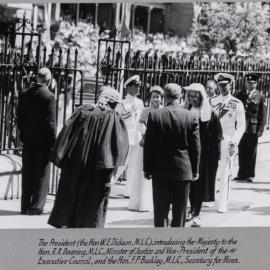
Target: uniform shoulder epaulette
<point x="235" y="100"/>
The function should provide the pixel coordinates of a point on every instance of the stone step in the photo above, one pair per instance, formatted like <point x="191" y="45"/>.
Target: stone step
<point x="10" y="176"/>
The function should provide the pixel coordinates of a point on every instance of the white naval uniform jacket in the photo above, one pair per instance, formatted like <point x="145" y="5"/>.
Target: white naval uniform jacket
<point x="231" y="113"/>
<point x="130" y="109"/>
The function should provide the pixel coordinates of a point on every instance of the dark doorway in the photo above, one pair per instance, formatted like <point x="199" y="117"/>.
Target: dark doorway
<point x="68" y="12"/>
<point x="140" y="21"/>
<point x="87" y="13"/>
<point x="157" y="21"/>
<point x="105" y="16"/>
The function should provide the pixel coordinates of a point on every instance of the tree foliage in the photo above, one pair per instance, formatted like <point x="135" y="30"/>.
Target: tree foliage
<point x="236" y="30"/>
<point x="6" y="19"/>
<point x="6" y="13"/>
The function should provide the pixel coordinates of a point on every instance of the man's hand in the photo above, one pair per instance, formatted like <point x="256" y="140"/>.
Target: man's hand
<point x="147" y="176"/>
<point x="232" y="148"/>
<point x="259" y="134"/>
<point x="195" y="176"/>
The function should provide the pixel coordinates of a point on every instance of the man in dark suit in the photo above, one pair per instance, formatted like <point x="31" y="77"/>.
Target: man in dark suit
<point x="36" y="119"/>
<point x="171" y="157"/>
<point x="255" y="109"/>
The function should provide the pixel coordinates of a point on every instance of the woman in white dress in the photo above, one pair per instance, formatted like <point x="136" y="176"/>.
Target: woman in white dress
<point x="64" y="104"/>
<point x="141" y="189"/>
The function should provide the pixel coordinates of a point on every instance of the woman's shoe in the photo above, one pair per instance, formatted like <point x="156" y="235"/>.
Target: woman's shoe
<point x="222" y="211"/>
<point x="189" y="216"/>
<point x="196" y="222"/>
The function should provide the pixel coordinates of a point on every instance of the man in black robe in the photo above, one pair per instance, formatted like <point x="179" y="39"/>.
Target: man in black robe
<point x="255" y="109"/>
<point x="90" y="147"/>
<point x="210" y="128"/>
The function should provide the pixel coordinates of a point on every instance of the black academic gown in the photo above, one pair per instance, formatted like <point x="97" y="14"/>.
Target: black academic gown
<point x="91" y="145"/>
<point x="204" y="188"/>
<point x="211" y="136"/>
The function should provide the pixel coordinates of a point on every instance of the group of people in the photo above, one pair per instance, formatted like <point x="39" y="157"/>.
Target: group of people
<point x="171" y="151"/>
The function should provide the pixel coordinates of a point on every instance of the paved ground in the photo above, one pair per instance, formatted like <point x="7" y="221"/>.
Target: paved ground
<point x="249" y="204"/>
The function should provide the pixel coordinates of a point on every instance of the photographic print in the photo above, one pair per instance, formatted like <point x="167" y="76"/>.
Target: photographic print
<point x="135" y="134"/>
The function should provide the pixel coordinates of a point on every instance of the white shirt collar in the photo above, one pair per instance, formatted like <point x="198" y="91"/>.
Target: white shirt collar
<point x="130" y="97"/>
<point x="225" y="98"/>
<point x="42" y="84"/>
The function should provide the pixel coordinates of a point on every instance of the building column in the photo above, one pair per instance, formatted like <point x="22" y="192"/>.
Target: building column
<point x="57" y="12"/>
<point x="35" y="16"/>
<point x="49" y="13"/>
<point x="148" y="21"/>
<point x="117" y="14"/>
<point x="96" y="15"/>
<point x="133" y="8"/>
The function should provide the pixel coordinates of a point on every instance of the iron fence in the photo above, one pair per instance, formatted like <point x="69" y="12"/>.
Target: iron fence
<point x="115" y="67"/>
<point x="21" y="55"/>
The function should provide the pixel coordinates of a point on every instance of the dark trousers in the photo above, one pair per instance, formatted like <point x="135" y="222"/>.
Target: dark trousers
<point x="247" y="155"/>
<point x="35" y="178"/>
<point x="196" y="197"/>
<point x="166" y="193"/>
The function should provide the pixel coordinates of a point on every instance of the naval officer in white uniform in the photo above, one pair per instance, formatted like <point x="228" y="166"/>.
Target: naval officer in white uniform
<point x="130" y="109"/>
<point x="231" y="113"/>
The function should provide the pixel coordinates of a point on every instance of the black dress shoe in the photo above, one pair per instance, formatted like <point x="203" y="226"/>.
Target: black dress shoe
<point x="238" y="179"/>
<point x="250" y="180"/>
<point x="23" y="212"/>
<point x="33" y="212"/>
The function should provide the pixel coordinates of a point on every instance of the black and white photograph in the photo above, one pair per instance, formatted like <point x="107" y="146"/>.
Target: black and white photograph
<point x="124" y="115"/>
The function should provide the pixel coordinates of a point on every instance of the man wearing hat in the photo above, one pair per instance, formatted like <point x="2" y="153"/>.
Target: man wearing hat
<point x="231" y="113"/>
<point x="255" y="108"/>
<point x="211" y="88"/>
<point x="36" y="119"/>
<point x="171" y="157"/>
<point x="130" y="109"/>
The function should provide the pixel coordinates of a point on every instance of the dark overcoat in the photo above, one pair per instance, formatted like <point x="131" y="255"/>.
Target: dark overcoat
<point x="36" y="120"/>
<point x="36" y="117"/>
<point x="172" y="144"/>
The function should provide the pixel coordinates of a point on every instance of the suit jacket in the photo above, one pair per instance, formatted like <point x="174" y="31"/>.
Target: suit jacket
<point x="172" y="143"/>
<point x="255" y="111"/>
<point x="36" y="117"/>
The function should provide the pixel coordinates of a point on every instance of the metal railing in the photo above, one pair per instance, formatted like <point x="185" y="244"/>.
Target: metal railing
<point x="21" y="55"/>
<point x="115" y="67"/>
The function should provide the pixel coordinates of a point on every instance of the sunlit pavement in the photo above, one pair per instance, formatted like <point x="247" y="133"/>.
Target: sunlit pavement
<point x="249" y="204"/>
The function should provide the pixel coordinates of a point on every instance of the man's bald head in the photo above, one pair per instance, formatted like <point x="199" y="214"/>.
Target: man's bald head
<point x="44" y="76"/>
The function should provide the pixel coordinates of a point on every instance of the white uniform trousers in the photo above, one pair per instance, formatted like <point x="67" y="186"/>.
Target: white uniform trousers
<point x="223" y="178"/>
<point x="130" y="168"/>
